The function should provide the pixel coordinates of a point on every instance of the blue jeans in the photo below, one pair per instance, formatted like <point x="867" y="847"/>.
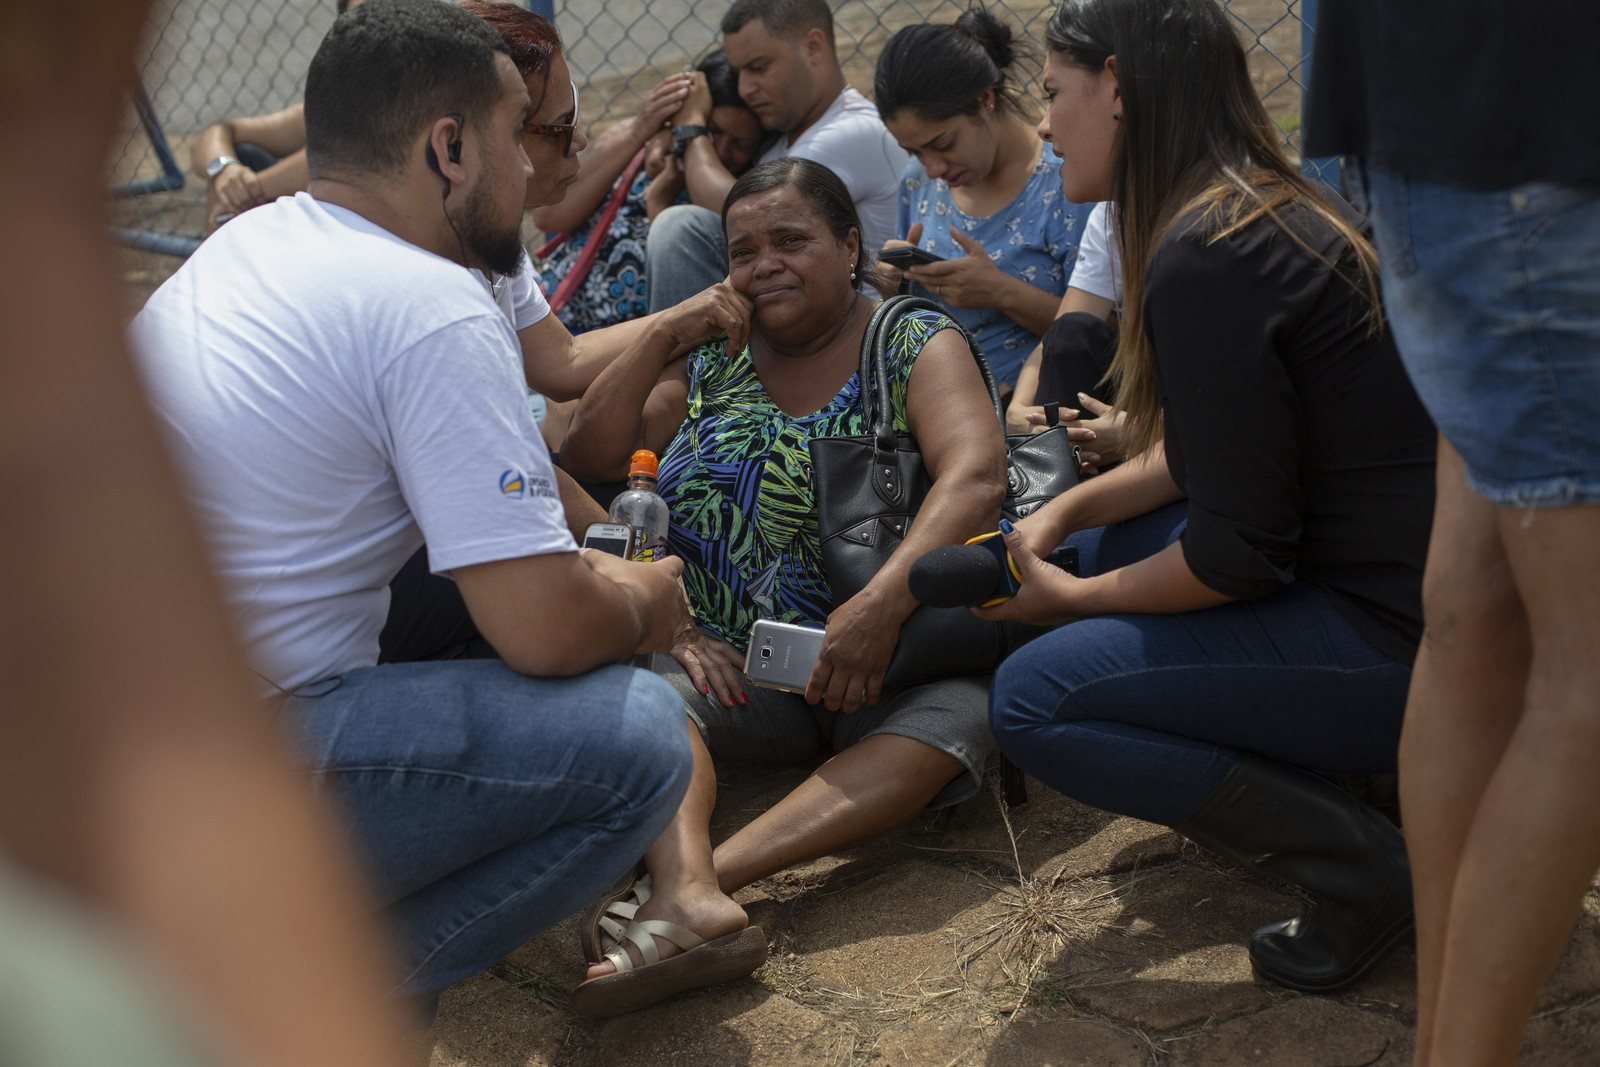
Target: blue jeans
<point x="1494" y="299"/>
<point x="686" y="253"/>
<point x="1145" y="715"/>
<point x="487" y="805"/>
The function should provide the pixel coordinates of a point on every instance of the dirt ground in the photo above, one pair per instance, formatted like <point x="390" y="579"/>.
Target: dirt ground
<point x="1074" y="937"/>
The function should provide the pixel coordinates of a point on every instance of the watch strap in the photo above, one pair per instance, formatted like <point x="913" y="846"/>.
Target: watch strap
<point x="218" y="165"/>
<point x="682" y="135"/>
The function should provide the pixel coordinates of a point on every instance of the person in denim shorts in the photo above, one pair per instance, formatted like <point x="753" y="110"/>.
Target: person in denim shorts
<point x="1484" y="190"/>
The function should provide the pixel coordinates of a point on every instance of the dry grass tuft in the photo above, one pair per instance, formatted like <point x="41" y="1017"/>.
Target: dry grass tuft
<point x="1043" y="918"/>
<point x="534" y="983"/>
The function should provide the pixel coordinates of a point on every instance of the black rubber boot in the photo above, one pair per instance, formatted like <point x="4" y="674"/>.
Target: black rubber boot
<point x="1304" y="829"/>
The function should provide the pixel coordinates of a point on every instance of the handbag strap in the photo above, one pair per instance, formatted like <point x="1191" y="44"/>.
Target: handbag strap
<point x="876" y="409"/>
<point x="591" y="245"/>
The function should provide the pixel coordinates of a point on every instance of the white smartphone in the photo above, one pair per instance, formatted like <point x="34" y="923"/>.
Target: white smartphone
<point x="613" y="537"/>
<point x="781" y="655"/>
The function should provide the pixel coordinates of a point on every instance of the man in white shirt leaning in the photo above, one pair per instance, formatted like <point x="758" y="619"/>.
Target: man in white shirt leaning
<point x="789" y="74"/>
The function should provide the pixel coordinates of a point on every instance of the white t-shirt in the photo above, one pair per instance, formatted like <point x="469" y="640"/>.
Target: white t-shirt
<point x="518" y="295"/>
<point x="853" y="142"/>
<point x="523" y="303"/>
<point x="1098" y="271"/>
<point x="333" y="395"/>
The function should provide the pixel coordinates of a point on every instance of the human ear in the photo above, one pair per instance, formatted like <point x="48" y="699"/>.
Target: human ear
<point x="442" y="150"/>
<point x="814" y="45"/>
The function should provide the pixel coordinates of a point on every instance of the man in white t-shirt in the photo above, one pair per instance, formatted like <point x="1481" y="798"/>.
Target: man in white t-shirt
<point x="336" y="387"/>
<point x="789" y="75"/>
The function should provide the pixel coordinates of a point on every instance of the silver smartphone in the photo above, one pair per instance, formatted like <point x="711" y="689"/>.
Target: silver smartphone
<point x="781" y="655"/>
<point x="613" y="537"/>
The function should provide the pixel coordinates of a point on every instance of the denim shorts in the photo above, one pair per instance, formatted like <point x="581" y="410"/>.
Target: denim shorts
<point x="1493" y="296"/>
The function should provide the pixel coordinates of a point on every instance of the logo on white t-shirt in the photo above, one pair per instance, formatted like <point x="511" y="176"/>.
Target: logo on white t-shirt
<point x="516" y="484"/>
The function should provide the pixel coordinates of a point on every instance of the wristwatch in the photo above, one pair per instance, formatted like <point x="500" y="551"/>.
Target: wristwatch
<point x="682" y="135"/>
<point x="216" y="166"/>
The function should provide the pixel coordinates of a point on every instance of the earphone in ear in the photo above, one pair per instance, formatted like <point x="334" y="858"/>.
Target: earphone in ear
<point x="452" y="151"/>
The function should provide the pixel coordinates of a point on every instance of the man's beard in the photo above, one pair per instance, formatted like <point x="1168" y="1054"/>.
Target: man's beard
<point x="488" y="245"/>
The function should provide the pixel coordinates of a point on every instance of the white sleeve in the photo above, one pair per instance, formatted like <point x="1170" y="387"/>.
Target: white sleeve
<point x="859" y="150"/>
<point x="471" y="464"/>
<point x="528" y="303"/>
<point x="1098" y="271"/>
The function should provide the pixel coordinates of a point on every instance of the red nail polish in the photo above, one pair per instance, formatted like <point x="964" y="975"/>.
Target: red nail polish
<point x="704" y="689"/>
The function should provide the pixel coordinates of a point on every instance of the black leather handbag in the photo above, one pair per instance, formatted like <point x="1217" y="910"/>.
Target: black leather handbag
<point x="869" y="489"/>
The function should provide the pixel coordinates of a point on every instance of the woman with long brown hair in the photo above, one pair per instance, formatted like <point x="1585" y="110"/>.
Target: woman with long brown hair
<point x="1249" y="599"/>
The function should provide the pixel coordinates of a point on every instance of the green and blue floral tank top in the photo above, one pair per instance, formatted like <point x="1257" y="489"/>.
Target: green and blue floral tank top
<point x="737" y="478"/>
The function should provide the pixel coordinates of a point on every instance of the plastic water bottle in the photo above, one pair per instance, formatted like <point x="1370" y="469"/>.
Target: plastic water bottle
<point x="641" y="507"/>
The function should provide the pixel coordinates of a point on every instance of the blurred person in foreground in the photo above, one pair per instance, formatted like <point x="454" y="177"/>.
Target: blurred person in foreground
<point x="1469" y="129"/>
<point x="338" y="387"/>
<point x="169" y="893"/>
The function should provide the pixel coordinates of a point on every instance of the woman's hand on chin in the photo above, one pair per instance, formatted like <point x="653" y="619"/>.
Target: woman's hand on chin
<point x="860" y="639"/>
<point x="718" y="311"/>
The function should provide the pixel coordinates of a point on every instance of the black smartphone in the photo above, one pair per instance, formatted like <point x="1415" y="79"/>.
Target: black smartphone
<point x="613" y="537"/>
<point x="904" y="256"/>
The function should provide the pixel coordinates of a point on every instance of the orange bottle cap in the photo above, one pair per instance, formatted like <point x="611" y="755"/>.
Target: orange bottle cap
<point x="642" y="462"/>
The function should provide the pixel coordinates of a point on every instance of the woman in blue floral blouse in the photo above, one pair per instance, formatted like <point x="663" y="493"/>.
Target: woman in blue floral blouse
<point x="980" y="190"/>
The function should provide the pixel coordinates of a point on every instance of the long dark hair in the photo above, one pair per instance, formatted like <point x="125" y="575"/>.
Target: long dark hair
<point x="938" y="72"/>
<point x="722" y="80"/>
<point x="821" y="188"/>
<point x="1194" y="139"/>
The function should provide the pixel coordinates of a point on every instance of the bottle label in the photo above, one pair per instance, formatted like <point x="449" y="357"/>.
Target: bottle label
<point x="648" y="551"/>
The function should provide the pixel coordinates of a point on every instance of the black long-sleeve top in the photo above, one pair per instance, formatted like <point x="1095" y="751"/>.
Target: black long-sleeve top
<point x="1294" y="432"/>
<point x="1488" y="93"/>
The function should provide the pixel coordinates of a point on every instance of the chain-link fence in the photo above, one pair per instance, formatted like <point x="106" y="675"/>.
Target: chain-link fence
<point x="212" y="59"/>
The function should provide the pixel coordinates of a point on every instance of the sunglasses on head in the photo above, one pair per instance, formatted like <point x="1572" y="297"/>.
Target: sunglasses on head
<point x="564" y="130"/>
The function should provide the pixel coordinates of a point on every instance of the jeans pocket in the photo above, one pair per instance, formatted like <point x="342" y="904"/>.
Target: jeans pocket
<point x="1389" y="199"/>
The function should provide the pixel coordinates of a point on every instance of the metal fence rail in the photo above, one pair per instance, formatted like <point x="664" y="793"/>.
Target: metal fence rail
<point x="212" y="59"/>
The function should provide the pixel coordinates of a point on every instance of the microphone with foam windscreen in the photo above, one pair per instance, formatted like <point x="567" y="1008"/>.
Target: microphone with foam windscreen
<point x="978" y="574"/>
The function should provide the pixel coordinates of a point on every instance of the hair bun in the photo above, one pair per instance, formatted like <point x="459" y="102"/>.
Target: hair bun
<point x="995" y="37"/>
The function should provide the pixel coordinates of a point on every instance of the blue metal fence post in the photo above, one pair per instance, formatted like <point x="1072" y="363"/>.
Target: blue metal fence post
<point x="547" y="8"/>
<point x="1326" y="168"/>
